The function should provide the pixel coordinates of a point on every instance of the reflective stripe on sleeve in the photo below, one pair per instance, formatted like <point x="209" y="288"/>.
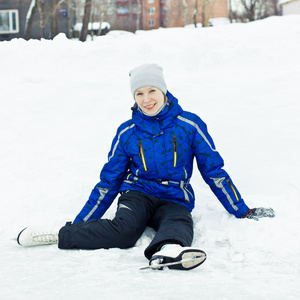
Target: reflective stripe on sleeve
<point x="102" y="192"/>
<point x="198" y="130"/>
<point x="219" y="184"/>
<point x="118" y="141"/>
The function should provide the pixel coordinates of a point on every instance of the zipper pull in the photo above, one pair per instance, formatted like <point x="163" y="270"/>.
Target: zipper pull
<point x="140" y="146"/>
<point x="174" y="150"/>
<point x="141" y="154"/>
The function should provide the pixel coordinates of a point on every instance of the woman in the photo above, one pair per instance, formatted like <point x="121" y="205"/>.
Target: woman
<point x="150" y="164"/>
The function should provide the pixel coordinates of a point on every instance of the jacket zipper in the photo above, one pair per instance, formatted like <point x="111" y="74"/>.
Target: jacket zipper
<point x="174" y="150"/>
<point x="233" y="189"/>
<point x="142" y="155"/>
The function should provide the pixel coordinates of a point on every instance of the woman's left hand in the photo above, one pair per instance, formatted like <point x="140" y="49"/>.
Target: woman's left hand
<point x="260" y="212"/>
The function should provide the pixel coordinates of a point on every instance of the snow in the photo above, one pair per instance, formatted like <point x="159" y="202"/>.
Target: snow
<point x="218" y="21"/>
<point x="61" y="103"/>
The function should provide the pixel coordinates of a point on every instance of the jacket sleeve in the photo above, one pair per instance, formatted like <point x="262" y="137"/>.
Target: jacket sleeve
<point x="107" y="189"/>
<point x="210" y="165"/>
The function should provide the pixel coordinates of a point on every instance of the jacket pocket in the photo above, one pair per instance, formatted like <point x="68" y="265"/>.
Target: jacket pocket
<point x="142" y="155"/>
<point x="174" y="150"/>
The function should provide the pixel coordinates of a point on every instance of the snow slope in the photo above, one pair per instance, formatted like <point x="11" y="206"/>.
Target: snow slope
<point x="61" y="102"/>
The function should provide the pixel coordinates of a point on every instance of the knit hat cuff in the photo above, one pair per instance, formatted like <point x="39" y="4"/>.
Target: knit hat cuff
<point x="153" y="80"/>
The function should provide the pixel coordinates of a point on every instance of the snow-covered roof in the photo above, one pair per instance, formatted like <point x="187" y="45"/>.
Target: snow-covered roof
<point x="281" y="2"/>
<point x="94" y="26"/>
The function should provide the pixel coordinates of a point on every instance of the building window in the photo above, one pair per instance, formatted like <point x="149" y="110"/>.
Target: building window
<point x="150" y="1"/>
<point x="151" y="10"/>
<point x="9" y="21"/>
<point x="151" y="22"/>
<point x="122" y="11"/>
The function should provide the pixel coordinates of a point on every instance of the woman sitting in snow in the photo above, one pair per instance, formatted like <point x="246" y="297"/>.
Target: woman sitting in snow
<point x="150" y="164"/>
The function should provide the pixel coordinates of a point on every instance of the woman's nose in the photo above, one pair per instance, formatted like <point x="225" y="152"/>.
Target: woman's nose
<point x="146" y="98"/>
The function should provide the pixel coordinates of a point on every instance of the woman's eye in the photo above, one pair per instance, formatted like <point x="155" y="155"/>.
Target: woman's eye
<point x="152" y="91"/>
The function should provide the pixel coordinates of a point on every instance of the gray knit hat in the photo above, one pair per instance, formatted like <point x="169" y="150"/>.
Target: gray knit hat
<point x="147" y="75"/>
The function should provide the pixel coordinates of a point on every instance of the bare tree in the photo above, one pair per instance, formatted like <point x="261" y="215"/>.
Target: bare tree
<point x="210" y="11"/>
<point x="41" y="8"/>
<point x="39" y="5"/>
<point x="100" y="9"/>
<point x="54" y="19"/>
<point x="269" y="8"/>
<point x="203" y="12"/>
<point x="250" y="7"/>
<point x="258" y="9"/>
<point x="230" y="10"/>
<point x="86" y="19"/>
<point x="138" y="14"/>
<point x="195" y="12"/>
<point x="29" y="18"/>
<point x="207" y="9"/>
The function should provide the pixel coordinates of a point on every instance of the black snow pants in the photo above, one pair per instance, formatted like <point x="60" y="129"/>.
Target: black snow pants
<point x="136" y="210"/>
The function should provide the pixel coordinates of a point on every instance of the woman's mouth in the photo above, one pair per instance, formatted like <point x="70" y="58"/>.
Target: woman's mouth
<point x="149" y="107"/>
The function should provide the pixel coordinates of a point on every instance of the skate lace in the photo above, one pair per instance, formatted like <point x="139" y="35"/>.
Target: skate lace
<point x="45" y="238"/>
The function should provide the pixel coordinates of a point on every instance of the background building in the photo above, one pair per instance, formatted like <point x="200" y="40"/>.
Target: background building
<point x="151" y="14"/>
<point x="21" y="17"/>
<point x="290" y="7"/>
<point x="46" y="18"/>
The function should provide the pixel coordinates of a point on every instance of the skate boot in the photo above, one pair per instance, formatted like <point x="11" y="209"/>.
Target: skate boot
<point x="176" y="257"/>
<point x="35" y="236"/>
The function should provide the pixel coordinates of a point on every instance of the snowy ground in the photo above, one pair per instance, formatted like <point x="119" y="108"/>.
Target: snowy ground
<point x="61" y="102"/>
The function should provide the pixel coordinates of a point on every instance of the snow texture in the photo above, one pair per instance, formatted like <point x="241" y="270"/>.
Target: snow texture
<point x="61" y="103"/>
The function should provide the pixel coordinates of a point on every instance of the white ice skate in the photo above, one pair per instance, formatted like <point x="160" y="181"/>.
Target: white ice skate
<point x="177" y="257"/>
<point x="35" y="236"/>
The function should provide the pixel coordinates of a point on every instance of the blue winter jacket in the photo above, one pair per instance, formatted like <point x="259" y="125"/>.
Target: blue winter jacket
<point x="155" y="155"/>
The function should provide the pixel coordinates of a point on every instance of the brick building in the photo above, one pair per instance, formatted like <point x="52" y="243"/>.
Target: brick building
<point x="128" y="15"/>
<point x="152" y="14"/>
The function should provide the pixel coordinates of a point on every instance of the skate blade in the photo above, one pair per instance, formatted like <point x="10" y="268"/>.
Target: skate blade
<point x="191" y="260"/>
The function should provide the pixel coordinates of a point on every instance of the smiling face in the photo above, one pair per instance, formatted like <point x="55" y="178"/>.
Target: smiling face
<point x="149" y="99"/>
